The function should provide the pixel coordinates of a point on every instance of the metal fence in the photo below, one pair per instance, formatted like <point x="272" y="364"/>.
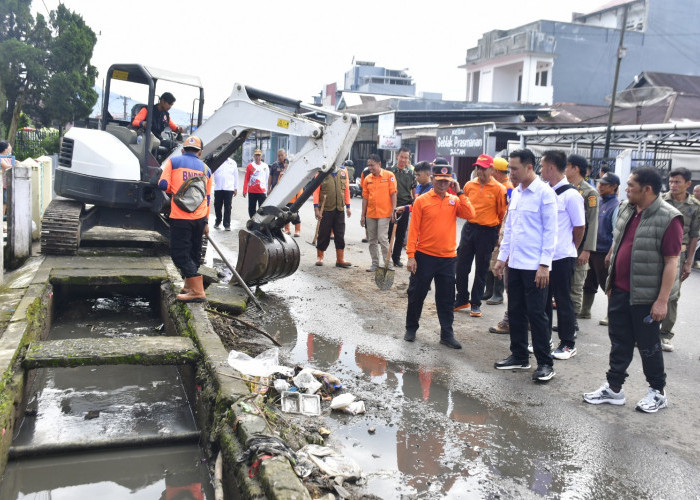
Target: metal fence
<point x="34" y="143"/>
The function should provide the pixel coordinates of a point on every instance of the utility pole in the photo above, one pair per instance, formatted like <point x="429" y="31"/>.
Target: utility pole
<point x="125" y="99"/>
<point x="620" y="55"/>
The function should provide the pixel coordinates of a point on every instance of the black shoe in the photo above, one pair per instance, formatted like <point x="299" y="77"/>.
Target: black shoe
<point x="217" y="225"/>
<point x="409" y="336"/>
<point x="398" y="263"/>
<point x="543" y="373"/>
<point x="451" y="342"/>
<point x="510" y="363"/>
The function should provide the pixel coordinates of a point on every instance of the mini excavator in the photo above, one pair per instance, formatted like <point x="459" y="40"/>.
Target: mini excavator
<point x="108" y="177"/>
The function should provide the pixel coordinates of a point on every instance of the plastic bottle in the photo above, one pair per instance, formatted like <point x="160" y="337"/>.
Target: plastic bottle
<point x="139" y="139"/>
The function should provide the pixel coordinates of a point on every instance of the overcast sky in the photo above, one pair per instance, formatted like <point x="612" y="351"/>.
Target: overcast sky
<point x="295" y="47"/>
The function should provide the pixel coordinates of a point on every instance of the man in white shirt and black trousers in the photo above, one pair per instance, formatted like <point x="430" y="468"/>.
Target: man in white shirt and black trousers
<point x="529" y="239"/>
<point x="571" y="219"/>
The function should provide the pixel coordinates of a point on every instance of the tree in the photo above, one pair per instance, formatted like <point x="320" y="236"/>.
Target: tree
<point x="45" y="69"/>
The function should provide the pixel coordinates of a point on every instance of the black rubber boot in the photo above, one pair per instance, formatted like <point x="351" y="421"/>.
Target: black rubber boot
<point x="488" y="292"/>
<point x="498" y="289"/>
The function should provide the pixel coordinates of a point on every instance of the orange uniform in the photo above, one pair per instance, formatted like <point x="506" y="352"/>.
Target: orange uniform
<point x="489" y="202"/>
<point x="433" y="227"/>
<point x="177" y="170"/>
<point x="140" y="120"/>
<point x="377" y="190"/>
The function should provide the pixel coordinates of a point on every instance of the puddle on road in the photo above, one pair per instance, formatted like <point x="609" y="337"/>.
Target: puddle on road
<point x="428" y="440"/>
<point x="114" y="316"/>
<point x="149" y="474"/>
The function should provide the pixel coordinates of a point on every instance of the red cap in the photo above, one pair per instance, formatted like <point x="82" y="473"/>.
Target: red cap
<point x="484" y="161"/>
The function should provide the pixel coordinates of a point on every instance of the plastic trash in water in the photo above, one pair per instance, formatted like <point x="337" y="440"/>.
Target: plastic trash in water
<point x="305" y="404"/>
<point x="263" y="365"/>
<point x="355" y="408"/>
<point x="306" y="381"/>
<point x="340" y="402"/>
<point x="331" y="463"/>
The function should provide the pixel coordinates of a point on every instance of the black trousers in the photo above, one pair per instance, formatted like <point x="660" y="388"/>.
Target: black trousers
<point x="560" y="288"/>
<point x="526" y="303"/>
<point x="331" y="220"/>
<point x="222" y="199"/>
<point x="254" y="201"/>
<point x="476" y="244"/>
<point x="626" y="327"/>
<point x="429" y="268"/>
<point x="401" y="231"/>
<point x="597" y="273"/>
<point x="186" y="244"/>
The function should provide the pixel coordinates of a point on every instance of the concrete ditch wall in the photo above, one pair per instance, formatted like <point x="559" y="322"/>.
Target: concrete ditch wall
<point x="218" y="400"/>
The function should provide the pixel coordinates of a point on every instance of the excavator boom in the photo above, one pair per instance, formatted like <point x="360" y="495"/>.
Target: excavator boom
<point x="265" y="252"/>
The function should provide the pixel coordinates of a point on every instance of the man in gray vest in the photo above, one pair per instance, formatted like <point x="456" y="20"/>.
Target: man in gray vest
<point x="678" y="197"/>
<point x="643" y="277"/>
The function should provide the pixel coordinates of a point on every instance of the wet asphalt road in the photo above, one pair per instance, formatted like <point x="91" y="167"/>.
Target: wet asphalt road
<point x="447" y="425"/>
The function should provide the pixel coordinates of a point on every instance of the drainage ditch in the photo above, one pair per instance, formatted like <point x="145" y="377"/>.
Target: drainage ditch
<point x="108" y="431"/>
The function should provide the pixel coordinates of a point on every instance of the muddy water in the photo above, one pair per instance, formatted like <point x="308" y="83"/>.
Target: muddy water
<point x="115" y="316"/>
<point x="423" y="435"/>
<point x="149" y="474"/>
<point x="90" y="406"/>
<point x="68" y="405"/>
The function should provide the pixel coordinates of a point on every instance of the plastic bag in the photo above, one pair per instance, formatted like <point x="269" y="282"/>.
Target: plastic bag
<point x="263" y="365"/>
<point x="307" y="382"/>
<point x="332" y="463"/>
<point x="355" y="408"/>
<point x="340" y="402"/>
<point x="280" y="385"/>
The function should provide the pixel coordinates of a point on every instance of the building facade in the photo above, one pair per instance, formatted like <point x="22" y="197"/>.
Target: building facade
<point x="547" y="62"/>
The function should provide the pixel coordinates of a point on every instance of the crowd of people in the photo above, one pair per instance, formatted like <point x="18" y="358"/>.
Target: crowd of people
<point x="550" y="239"/>
<point x="541" y="235"/>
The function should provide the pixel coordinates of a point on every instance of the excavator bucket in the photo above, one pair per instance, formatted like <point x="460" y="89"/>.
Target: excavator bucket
<point x="265" y="256"/>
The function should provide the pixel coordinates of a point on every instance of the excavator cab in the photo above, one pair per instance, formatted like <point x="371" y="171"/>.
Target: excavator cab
<point x="109" y="177"/>
<point x="149" y="149"/>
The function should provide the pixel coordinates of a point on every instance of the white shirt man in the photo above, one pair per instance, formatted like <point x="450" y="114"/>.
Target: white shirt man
<point x="571" y="225"/>
<point x="225" y="188"/>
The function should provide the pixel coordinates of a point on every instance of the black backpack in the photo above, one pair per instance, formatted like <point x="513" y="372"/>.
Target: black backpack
<point x="191" y="194"/>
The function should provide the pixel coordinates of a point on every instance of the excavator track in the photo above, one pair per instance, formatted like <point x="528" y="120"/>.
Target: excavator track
<point x="60" y="228"/>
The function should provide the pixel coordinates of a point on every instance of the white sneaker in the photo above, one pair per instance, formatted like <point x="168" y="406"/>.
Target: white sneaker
<point x="605" y="395"/>
<point x="531" y="349"/>
<point x="666" y="344"/>
<point x="564" y="352"/>
<point x="653" y="401"/>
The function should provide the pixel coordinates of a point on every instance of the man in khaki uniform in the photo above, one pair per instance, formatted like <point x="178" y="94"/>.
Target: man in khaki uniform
<point x="678" y="197"/>
<point x="576" y="171"/>
<point x="334" y="197"/>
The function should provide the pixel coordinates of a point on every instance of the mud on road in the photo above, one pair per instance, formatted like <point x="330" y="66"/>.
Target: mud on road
<point x="447" y="425"/>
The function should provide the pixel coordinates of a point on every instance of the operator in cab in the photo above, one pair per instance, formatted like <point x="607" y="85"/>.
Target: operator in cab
<point x="187" y="225"/>
<point x="161" y="116"/>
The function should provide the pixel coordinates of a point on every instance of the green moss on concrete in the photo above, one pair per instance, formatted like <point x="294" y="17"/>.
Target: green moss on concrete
<point x="235" y="473"/>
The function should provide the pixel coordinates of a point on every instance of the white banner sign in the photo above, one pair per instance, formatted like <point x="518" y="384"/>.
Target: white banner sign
<point x="390" y="142"/>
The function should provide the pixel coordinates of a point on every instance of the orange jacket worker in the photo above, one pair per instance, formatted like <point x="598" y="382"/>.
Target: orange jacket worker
<point x="479" y="234"/>
<point x="161" y="116"/>
<point x="378" y="205"/>
<point x="431" y="250"/>
<point x="187" y="228"/>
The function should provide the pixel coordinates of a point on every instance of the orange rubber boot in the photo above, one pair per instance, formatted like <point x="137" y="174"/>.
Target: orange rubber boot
<point x="196" y="293"/>
<point x="340" y="259"/>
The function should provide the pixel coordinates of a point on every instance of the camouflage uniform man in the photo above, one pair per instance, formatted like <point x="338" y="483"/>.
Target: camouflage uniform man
<point x="576" y="171"/>
<point x="679" y="198"/>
